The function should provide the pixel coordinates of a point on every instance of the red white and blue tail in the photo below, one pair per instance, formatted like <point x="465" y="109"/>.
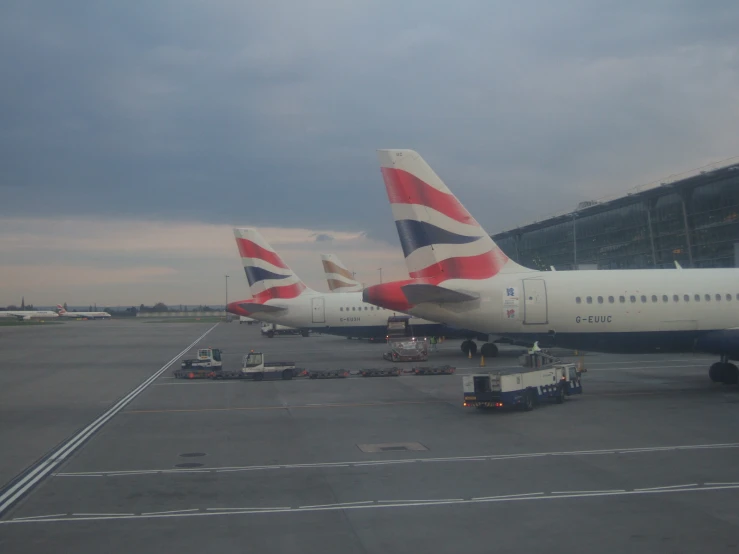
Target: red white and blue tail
<point x="269" y="277"/>
<point x="440" y="239"/>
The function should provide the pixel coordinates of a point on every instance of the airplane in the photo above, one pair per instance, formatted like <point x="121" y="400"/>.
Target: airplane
<point x="26" y="315"/>
<point x="87" y="315"/>
<point x="339" y="278"/>
<point x="459" y="276"/>
<point x="279" y="296"/>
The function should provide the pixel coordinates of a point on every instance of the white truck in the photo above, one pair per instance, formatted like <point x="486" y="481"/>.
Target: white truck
<point x="208" y="360"/>
<point x="254" y="366"/>
<point x="271" y="329"/>
<point x="247" y="320"/>
<point x="522" y="388"/>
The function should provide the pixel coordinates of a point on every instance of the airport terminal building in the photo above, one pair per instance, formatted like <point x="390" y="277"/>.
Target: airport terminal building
<point x="693" y="220"/>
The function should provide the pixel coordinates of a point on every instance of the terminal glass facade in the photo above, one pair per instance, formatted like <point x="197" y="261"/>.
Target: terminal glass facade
<point x="693" y="222"/>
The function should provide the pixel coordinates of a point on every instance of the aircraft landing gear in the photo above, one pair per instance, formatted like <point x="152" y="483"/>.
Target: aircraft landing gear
<point x="489" y="350"/>
<point x="724" y="372"/>
<point x="469" y="346"/>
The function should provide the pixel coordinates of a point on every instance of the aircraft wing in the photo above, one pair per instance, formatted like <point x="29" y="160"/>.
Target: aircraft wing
<point x="261" y="308"/>
<point x="420" y="293"/>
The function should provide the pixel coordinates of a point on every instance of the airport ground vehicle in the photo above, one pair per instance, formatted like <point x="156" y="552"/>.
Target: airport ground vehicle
<point x="272" y="329"/>
<point x="413" y="349"/>
<point x="208" y="360"/>
<point x="247" y="320"/>
<point x="254" y="367"/>
<point x="523" y="387"/>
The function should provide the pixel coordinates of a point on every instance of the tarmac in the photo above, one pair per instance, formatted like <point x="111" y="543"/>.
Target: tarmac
<point x="104" y="451"/>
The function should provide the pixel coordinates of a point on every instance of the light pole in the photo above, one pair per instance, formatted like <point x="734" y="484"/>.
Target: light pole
<point x="380" y="270"/>
<point x="226" y="305"/>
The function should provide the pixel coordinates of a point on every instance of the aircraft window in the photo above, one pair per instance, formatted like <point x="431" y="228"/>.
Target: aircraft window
<point x="589" y="299"/>
<point x="365" y="308"/>
<point x="686" y="297"/>
<point x="341" y="309"/>
<point x="622" y="299"/>
<point x="728" y="297"/>
<point x="632" y="298"/>
<point x="600" y="300"/>
<point x="697" y="297"/>
<point x="611" y="300"/>
<point x="654" y="298"/>
<point x="578" y="300"/>
<point x="353" y="308"/>
<point x="643" y="298"/>
<point x="718" y="298"/>
<point x="708" y="298"/>
<point x="664" y="298"/>
<point x="675" y="298"/>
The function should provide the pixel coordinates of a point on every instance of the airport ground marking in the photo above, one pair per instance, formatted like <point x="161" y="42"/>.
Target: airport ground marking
<point x="373" y="505"/>
<point x="12" y="493"/>
<point x="289" y="407"/>
<point x="363" y="463"/>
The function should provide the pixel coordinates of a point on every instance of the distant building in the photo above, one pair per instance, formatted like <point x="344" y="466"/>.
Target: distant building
<point x="693" y="220"/>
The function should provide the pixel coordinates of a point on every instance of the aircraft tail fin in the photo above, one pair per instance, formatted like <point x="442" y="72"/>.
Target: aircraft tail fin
<point x="339" y="278"/>
<point x="440" y="238"/>
<point x="60" y="309"/>
<point x="268" y="276"/>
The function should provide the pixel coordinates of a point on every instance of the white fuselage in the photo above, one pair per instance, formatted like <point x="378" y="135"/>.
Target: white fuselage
<point x="611" y="303"/>
<point x="29" y="314"/>
<point x="341" y="313"/>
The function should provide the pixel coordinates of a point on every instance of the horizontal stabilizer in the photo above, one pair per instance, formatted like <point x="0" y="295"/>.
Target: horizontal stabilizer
<point x="261" y="308"/>
<point x="420" y="293"/>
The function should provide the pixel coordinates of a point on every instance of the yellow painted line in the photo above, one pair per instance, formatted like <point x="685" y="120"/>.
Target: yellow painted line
<point x="259" y="408"/>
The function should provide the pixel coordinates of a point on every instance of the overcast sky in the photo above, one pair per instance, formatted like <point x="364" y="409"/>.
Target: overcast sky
<point x="134" y="134"/>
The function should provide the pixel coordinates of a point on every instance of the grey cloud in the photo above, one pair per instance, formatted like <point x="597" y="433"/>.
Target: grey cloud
<point x="323" y="237"/>
<point x="254" y="113"/>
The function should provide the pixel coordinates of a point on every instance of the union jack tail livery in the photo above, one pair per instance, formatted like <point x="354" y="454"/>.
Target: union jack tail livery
<point x="268" y="276"/>
<point x="339" y="278"/>
<point x="60" y="309"/>
<point x="440" y="239"/>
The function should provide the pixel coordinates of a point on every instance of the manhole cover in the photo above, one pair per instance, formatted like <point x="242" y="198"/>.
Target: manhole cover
<point x="392" y="447"/>
<point x="189" y="464"/>
<point x="192" y="454"/>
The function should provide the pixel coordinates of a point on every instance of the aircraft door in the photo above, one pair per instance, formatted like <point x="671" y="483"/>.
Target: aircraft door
<point x="319" y="310"/>
<point x="535" y="301"/>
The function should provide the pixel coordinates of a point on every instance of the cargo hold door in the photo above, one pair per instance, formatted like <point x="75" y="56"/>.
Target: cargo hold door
<point x="535" y="301"/>
<point x="319" y="310"/>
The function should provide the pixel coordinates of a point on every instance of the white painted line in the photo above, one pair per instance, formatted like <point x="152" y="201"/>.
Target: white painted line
<point x="100" y="515"/>
<point x="667" y="487"/>
<point x="340" y="504"/>
<point x="420" y="501"/>
<point x="170" y="512"/>
<point x="8" y="497"/>
<point x="37" y="517"/>
<point x="524" y="497"/>
<point x="588" y="492"/>
<point x="720" y="484"/>
<point x="511" y="496"/>
<point x="250" y="509"/>
<point x="492" y="457"/>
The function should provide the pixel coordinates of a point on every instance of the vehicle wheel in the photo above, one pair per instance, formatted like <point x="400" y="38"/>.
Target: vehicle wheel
<point x="489" y="350"/>
<point x="287" y="374"/>
<point x="258" y="376"/>
<point x="528" y="402"/>
<point x="465" y="347"/>
<point x="730" y="374"/>
<point x="715" y="372"/>
<point x="473" y="347"/>
<point x="561" y="395"/>
<point x="305" y="333"/>
<point x="270" y="334"/>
